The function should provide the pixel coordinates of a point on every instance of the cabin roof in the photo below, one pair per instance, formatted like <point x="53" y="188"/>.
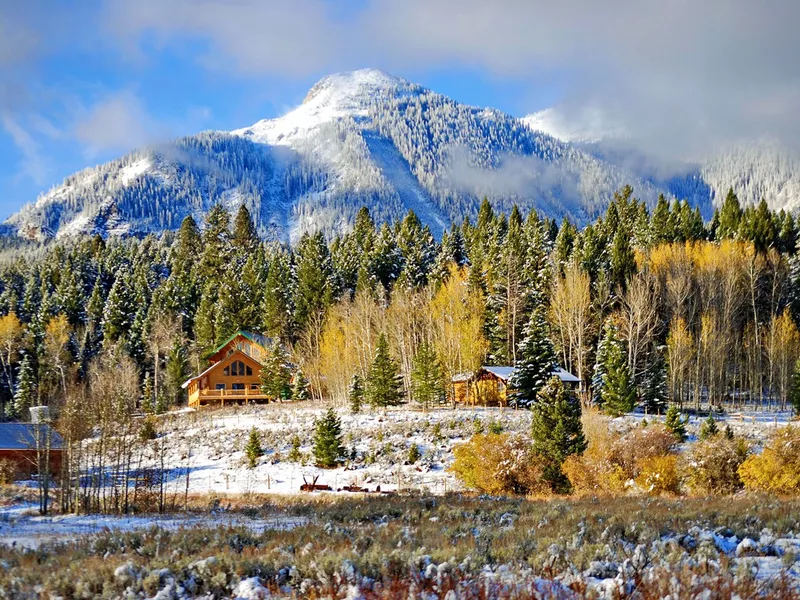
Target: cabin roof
<point x="22" y="436"/>
<point x="214" y="365"/>
<point x="505" y="373"/>
<point x="256" y="338"/>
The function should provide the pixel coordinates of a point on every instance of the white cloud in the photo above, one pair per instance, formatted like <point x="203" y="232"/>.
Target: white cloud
<point x="116" y="123"/>
<point x="682" y="74"/>
<point x="32" y="164"/>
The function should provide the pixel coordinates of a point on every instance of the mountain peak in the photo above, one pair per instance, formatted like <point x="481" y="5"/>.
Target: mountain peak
<point x="353" y="84"/>
<point x="336" y="96"/>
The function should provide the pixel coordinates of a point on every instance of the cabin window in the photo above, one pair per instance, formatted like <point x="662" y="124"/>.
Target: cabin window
<point x="237" y="368"/>
<point x="220" y="386"/>
<point x="237" y="386"/>
<point x="254" y="386"/>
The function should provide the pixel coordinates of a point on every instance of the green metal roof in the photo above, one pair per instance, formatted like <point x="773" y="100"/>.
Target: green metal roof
<point x="257" y="338"/>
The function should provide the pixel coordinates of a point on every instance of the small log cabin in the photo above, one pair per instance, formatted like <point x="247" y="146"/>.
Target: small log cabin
<point x="18" y="445"/>
<point x="490" y="385"/>
<point x="233" y="372"/>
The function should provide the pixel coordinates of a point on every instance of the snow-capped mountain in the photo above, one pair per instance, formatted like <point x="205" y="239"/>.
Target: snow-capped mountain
<point x="361" y="138"/>
<point x="755" y="169"/>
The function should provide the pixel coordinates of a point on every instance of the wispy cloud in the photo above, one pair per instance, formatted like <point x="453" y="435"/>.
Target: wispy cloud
<point x="683" y="75"/>
<point x="32" y="163"/>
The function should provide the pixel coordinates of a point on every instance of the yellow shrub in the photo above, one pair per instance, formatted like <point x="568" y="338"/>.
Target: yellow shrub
<point x="777" y="469"/>
<point x="659" y="475"/>
<point x="498" y="464"/>
<point x="590" y="474"/>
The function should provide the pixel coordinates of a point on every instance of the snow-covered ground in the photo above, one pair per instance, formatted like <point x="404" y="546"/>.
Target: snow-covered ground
<point x="22" y="526"/>
<point x="209" y="444"/>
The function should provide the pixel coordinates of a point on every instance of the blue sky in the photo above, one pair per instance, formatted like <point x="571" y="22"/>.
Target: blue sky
<point x="85" y="81"/>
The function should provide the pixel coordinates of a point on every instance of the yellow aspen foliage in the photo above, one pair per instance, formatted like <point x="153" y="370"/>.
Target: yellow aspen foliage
<point x="777" y="469"/>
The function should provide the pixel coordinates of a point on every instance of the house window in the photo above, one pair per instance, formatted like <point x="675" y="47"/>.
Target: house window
<point x="237" y="386"/>
<point x="220" y="386"/>
<point x="254" y="386"/>
<point x="237" y="369"/>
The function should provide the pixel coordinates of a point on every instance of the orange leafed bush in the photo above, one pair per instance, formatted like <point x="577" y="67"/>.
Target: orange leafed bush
<point x="777" y="469"/>
<point x="498" y="464"/>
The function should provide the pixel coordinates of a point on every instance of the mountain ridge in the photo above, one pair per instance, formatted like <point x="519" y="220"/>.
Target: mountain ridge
<point x="359" y="138"/>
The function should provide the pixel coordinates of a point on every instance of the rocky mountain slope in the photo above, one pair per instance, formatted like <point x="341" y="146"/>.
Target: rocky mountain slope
<point x="359" y="138"/>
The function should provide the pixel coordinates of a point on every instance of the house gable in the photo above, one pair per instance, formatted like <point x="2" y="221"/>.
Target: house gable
<point x="253" y="345"/>
<point x="237" y="367"/>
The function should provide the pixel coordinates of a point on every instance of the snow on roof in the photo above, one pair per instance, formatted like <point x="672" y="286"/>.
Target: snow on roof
<point x="565" y="376"/>
<point x="22" y="436"/>
<point x="503" y="373"/>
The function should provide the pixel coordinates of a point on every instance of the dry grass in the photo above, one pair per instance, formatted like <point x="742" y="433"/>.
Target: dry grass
<point x="385" y="547"/>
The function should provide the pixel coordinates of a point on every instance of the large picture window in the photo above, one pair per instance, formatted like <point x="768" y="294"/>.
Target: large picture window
<point x="237" y="369"/>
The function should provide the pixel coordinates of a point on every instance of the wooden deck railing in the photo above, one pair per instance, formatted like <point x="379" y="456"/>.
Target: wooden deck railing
<point x="222" y="396"/>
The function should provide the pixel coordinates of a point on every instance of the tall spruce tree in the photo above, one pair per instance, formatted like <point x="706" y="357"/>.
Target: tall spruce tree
<point x="556" y="431"/>
<point x="537" y="359"/>
<point x="275" y="375"/>
<point x="384" y="387"/>
<point x="730" y="217"/>
<point x="245" y="238"/>
<point x="618" y="395"/>
<point x="277" y="307"/>
<point x="328" y="448"/>
<point x="427" y="378"/>
<point x="355" y="394"/>
<point x="655" y="391"/>
<point x="25" y="393"/>
<point x="315" y="286"/>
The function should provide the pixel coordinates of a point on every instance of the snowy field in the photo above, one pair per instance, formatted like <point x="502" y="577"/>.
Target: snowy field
<point x="209" y="444"/>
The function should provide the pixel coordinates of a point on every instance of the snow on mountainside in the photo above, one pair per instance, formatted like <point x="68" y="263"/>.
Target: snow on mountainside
<point x="361" y="138"/>
<point x="755" y="169"/>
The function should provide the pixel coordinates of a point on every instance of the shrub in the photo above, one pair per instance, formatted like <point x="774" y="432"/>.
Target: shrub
<point x="8" y="471"/>
<point x="659" y="475"/>
<point x="640" y="444"/>
<point x="148" y="430"/>
<point x="498" y="464"/>
<point x="328" y="448"/>
<point x="414" y="454"/>
<point x="294" y="453"/>
<point x="777" y="469"/>
<point x="712" y="467"/>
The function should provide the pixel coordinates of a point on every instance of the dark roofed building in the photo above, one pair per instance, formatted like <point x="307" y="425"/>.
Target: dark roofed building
<point x="18" y="444"/>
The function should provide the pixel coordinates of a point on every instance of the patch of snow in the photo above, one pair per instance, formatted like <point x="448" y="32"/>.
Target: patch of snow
<point x="250" y="589"/>
<point x="130" y="172"/>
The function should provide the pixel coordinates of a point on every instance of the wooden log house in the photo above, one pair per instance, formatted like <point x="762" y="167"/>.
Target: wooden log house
<point x="233" y="372"/>
<point x="489" y="385"/>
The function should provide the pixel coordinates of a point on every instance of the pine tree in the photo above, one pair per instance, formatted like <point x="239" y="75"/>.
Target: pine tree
<point x="623" y="262"/>
<point x="245" y="238"/>
<point x="276" y="377"/>
<point x="612" y="381"/>
<point x="674" y="422"/>
<point x="25" y="393"/>
<point x="418" y="250"/>
<point x="383" y="386"/>
<point x="328" y="448"/>
<point x="556" y="431"/>
<point x="730" y="217"/>
<point x="276" y="304"/>
<point x="427" y="378"/>
<point x="355" y="394"/>
<point x="600" y="372"/>
<point x="619" y="392"/>
<point x="655" y="392"/>
<point x="709" y="428"/>
<point x="252" y="449"/>
<point x="315" y="289"/>
<point x="217" y="250"/>
<point x="205" y="320"/>
<point x="188" y="246"/>
<point x="537" y="360"/>
<point x="301" y="390"/>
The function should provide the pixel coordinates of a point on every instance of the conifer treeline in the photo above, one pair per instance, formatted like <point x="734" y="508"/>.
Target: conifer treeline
<point x="643" y="307"/>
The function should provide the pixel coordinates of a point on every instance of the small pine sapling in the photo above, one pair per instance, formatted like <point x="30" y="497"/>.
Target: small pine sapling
<point x="414" y="454"/>
<point x="675" y="423"/>
<point x="708" y="428"/>
<point x="252" y="449"/>
<point x="355" y="394"/>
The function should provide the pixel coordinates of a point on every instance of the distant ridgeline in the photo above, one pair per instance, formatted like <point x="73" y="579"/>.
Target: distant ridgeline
<point x="704" y="312"/>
